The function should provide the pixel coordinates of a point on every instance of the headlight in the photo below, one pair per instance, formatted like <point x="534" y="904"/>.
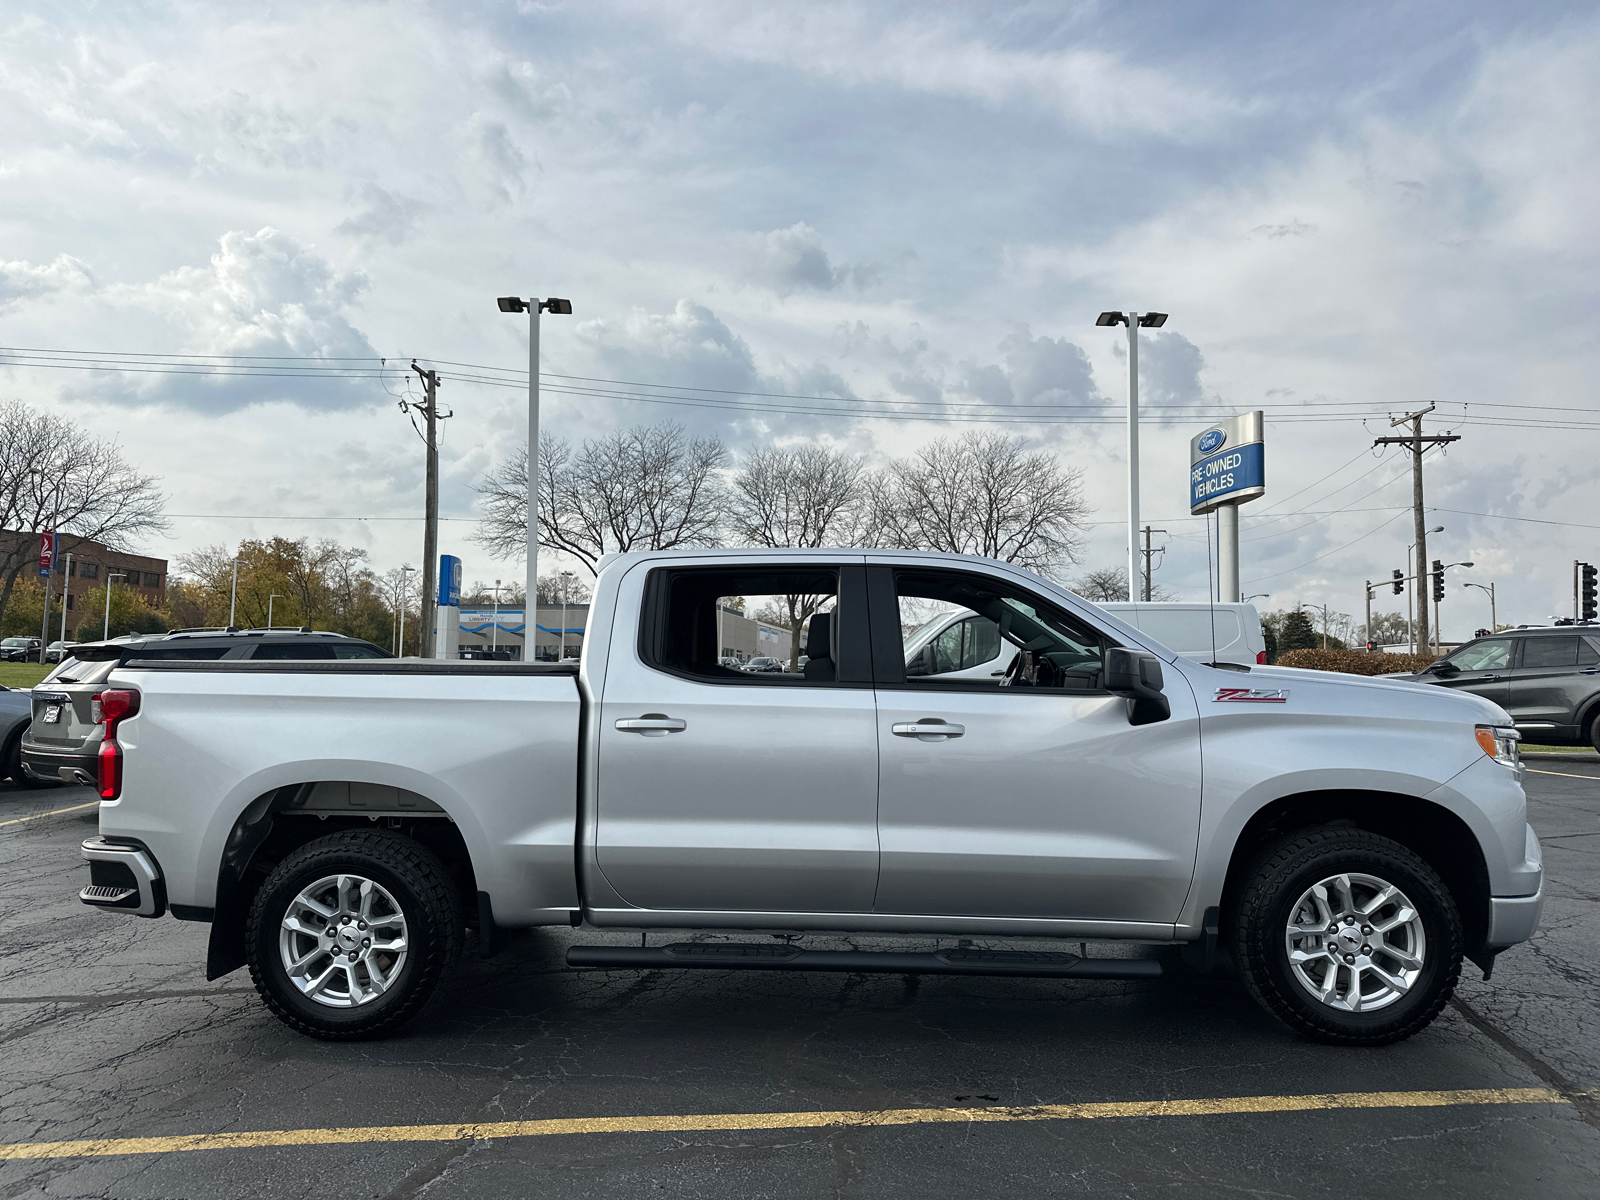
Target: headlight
<point x="1499" y="742"/>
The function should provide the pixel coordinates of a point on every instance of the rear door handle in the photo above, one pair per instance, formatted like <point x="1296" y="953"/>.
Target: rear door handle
<point x="928" y="729"/>
<point x="653" y="725"/>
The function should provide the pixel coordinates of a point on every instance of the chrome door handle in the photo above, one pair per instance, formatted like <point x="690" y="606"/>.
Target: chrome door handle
<point x="653" y="725"/>
<point x="928" y="728"/>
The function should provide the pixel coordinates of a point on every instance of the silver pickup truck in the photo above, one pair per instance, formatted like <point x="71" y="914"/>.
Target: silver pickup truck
<point x="345" y="825"/>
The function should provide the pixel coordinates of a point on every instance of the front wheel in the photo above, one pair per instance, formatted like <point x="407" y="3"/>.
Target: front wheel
<point x="1347" y="937"/>
<point x="350" y="935"/>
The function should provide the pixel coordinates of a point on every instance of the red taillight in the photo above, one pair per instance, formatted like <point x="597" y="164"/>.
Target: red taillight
<point x="1261" y="658"/>
<point x="110" y="708"/>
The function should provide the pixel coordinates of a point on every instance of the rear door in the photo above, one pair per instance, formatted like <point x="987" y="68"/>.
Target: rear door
<point x="1029" y="795"/>
<point x="729" y="790"/>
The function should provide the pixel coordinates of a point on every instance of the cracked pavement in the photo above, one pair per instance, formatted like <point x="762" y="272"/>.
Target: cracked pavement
<point x="108" y="1029"/>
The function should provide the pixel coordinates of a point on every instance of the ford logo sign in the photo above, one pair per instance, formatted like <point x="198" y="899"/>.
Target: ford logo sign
<point x="1211" y="439"/>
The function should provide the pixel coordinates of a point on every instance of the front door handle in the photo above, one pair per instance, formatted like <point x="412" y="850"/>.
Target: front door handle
<point x="653" y="725"/>
<point x="928" y="729"/>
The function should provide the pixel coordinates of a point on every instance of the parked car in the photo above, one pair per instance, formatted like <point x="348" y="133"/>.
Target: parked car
<point x="1548" y="679"/>
<point x="762" y="664"/>
<point x="962" y="644"/>
<point x="19" y="649"/>
<point x="342" y="825"/>
<point x="55" y="651"/>
<point x="16" y="710"/>
<point x="63" y="742"/>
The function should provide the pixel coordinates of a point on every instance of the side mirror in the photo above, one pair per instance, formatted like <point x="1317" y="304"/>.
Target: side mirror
<point x="1444" y="668"/>
<point x="1136" y="676"/>
<point x="921" y="662"/>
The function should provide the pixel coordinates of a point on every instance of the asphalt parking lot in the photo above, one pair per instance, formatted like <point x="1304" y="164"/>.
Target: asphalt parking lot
<point x="753" y="1085"/>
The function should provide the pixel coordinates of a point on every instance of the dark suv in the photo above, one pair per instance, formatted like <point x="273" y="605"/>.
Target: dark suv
<point x="1548" y="679"/>
<point x="63" y="742"/>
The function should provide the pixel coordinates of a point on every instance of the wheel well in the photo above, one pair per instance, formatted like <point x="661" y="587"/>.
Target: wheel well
<point x="278" y="823"/>
<point x="1442" y="839"/>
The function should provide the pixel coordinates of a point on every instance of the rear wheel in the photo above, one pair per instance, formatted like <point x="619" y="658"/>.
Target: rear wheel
<point x="351" y="934"/>
<point x="1347" y="937"/>
<point x="11" y="765"/>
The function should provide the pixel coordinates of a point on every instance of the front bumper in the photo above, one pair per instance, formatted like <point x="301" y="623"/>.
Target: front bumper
<point x="1513" y="919"/>
<point x="125" y="876"/>
<point x="67" y="766"/>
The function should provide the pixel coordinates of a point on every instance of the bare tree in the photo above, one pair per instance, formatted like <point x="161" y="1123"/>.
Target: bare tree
<point x="982" y="493"/>
<point x="648" y="488"/>
<point x="56" y="475"/>
<point x="1111" y="584"/>
<point x="809" y="496"/>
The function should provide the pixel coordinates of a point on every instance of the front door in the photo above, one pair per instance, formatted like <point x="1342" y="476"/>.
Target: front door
<point x="1479" y="667"/>
<point x="1030" y="795"/>
<point x="720" y="789"/>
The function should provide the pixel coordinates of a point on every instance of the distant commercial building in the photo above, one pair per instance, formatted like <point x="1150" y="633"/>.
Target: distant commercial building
<point x="482" y="629"/>
<point x="745" y="637"/>
<point x="91" y="565"/>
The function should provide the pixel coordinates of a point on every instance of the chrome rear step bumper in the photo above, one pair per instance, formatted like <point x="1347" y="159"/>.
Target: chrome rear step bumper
<point x="123" y="876"/>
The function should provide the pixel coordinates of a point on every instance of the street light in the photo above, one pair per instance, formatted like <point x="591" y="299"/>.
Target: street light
<point x="1257" y="596"/>
<point x="1134" y="321"/>
<point x="533" y="306"/>
<point x="105" y="633"/>
<point x="1493" y="622"/>
<point x="270" y="599"/>
<point x="405" y="581"/>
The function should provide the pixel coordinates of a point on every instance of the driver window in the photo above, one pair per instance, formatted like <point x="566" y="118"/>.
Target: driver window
<point x="1490" y="655"/>
<point x="967" y="631"/>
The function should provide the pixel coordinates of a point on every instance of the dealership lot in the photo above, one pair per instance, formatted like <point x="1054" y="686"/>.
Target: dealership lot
<point x="753" y="1084"/>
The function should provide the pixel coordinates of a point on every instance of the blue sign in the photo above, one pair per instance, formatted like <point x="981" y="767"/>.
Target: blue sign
<point x="1225" y="474"/>
<point x="1210" y="440"/>
<point x="449" y="581"/>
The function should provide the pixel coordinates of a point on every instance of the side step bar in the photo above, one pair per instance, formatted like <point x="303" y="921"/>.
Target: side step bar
<point x="734" y="956"/>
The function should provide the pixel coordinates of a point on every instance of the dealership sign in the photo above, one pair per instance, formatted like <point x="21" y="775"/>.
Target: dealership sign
<point x="1227" y="464"/>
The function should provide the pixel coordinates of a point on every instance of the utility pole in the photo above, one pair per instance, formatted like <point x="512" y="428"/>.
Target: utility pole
<point x="1417" y="445"/>
<point x="430" y="520"/>
<point x="1147" y="553"/>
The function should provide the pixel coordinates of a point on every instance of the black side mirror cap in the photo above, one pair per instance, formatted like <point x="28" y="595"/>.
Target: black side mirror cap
<point x="1136" y="676"/>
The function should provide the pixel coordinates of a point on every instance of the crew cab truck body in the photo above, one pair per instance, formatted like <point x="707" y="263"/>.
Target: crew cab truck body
<point x="342" y="824"/>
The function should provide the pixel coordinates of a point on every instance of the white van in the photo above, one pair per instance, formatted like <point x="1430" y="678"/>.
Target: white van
<point x="964" y="645"/>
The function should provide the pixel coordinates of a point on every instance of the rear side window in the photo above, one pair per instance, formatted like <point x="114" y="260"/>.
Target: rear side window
<point x="357" y="650"/>
<point x="1550" y="652"/>
<point x="169" y="653"/>
<point x="297" y="651"/>
<point x="1588" y="653"/>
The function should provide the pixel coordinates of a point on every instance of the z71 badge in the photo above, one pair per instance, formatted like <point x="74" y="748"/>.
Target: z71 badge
<point x="1252" y="695"/>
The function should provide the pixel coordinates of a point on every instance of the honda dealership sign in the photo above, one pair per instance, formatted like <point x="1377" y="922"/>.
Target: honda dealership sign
<point x="1226" y="463"/>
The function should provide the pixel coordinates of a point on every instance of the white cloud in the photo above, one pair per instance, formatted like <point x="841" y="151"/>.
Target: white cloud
<point x="20" y="281"/>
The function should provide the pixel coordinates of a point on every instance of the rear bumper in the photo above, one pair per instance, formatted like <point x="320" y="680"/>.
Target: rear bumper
<point x="125" y="876"/>
<point x="1513" y="919"/>
<point x="67" y="766"/>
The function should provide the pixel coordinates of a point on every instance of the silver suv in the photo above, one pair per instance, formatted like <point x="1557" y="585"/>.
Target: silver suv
<point x="63" y="742"/>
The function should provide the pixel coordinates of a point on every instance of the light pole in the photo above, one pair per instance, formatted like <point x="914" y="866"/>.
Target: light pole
<point x="1416" y="578"/>
<point x="405" y="581"/>
<point x="1134" y="321"/>
<point x="1493" y="622"/>
<point x="494" y="626"/>
<point x="533" y="306"/>
<point x="55" y="553"/>
<point x="105" y="633"/>
<point x="233" y="596"/>
<point x="566" y="580"/>
<point x="66" y="587"/>
<point x="1443" y="567"/>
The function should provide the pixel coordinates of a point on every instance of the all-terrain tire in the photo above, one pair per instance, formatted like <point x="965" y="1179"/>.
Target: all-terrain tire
<point x="1271" y="896"/>
<point x="418" y="887"/>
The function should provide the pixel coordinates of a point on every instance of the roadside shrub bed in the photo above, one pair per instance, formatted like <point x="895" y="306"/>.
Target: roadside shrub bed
<point x="1354" y="662"/>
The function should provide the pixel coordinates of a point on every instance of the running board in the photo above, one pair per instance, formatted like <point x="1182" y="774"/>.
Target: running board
<point x="734" y="956"/>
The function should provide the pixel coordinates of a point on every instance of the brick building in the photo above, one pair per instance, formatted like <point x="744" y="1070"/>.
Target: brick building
<point x="89" y="567"/>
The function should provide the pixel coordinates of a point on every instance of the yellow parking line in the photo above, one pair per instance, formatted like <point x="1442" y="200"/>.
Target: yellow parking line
<point x="721" y="1122"/>
<point x="54" y="813"/>
<point x="1563" y="774"/>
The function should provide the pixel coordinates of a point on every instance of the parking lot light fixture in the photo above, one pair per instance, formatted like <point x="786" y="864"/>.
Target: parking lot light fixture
<point x="270" y="599"/>
<point x="533" y="306"/>
<point x="1134" y="321"/>
<point x="1489" y="588"/>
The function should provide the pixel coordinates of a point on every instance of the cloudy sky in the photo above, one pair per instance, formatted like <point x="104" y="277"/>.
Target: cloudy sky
<point x="1348" y="210"/>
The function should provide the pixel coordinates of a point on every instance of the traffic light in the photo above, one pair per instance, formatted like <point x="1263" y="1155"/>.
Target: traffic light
<point x="1438" y="580"/>
<point x="1399" y="581"/>
<point x="1587" y="591"/>
<point x="1480" y="633"/>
